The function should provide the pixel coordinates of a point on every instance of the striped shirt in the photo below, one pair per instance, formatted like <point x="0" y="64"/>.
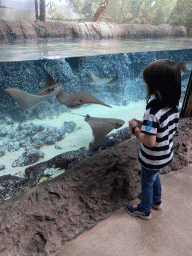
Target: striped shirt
<point x="163" y="124"/>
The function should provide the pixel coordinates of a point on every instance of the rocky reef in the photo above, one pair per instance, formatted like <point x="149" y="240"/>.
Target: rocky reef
<point x="31" y="138"/>
<point x="26" y="30"/>
<point x="45" y="217"/>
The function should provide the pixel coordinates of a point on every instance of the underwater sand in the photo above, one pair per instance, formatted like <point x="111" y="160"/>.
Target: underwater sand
<point x="81" y="137"/>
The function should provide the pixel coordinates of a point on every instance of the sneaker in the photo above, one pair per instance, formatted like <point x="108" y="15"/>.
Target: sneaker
<point x="158" y="205"/>
<point x="133" y="210"/>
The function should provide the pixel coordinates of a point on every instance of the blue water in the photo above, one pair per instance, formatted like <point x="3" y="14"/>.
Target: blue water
<point x="22" y="131"/>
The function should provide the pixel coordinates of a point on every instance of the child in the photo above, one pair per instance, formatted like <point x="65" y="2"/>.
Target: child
<point x="162" y="81"/>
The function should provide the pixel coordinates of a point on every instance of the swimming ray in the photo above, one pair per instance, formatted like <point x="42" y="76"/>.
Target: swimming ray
<point x="29" y="101"/>
<point x="101" y="127"/>
<point x="77" y="99"/>
<point x="104" y="81"/>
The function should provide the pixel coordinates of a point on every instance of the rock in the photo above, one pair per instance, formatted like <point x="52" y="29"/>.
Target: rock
<point x="5" y="142"/>
<point x="5" y="33"/>
<point x="50" y="140"/>
<point x="69" y="126"/>
<point x="20" y="137"/>
<point x="2" y="167"/>
<point x="2" y="152"/>
<point x="11" y="185"/>
<point x="150" y="32"/>
<point x="30" y="156"/>
<point x="41" y="136"/>
<point x="92" y="32"/>
<point x="51" y="135"/>
<point x="40" y="28"/>
<point x="11" y="134"/>
<point x="125" y="103"/>
<point x="30" y="129"/>
<point x="101" y="30"/>
<point x="55" y="30"/>
<point x="81" y="198"/>
<point x="15" y="30"/>
<point x="59" y="137"/>
<point x="62" y="130"/>
<point x="166" y="30"/>
<point x="38" y="143"/>
<point x="3" y="131"/>
<point x="180" y="31"/>
<point x="26" y="142"/>
<point x="60" y="70"/>
<point x="13" y="147"/>
<point x="51" y="130"/>
<point x="58" y="147"/>
<point x="28" y="29"/>
<point x="9" y="120"/>
<point x="82" y="30"/>
<point x="189" y="31"/>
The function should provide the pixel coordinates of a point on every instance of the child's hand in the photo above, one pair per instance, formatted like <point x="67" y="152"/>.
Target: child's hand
<point x="132" y="123"/>
<point x="135" y="122"/>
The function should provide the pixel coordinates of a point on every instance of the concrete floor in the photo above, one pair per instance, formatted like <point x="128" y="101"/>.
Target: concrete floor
<point x="167" y="233"/>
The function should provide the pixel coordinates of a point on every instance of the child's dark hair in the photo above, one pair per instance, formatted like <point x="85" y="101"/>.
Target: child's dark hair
<point x="163" y="78"/>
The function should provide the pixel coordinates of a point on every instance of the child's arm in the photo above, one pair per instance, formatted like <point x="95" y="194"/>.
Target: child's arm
<point x="147" y="140"/>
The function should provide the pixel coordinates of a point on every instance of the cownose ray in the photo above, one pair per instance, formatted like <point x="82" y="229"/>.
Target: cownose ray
<point x="103" y="81"/>
<point x="185" y="65"/>
<point x="76" y="99"/>
<point x="29" y="101"/>
<point x="101" y="127"/>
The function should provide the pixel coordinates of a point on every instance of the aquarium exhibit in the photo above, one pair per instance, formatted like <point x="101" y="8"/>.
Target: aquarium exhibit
<point x="71" y="77"/>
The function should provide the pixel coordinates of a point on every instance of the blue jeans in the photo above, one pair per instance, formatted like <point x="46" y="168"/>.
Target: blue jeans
<point x="150" y="187"/>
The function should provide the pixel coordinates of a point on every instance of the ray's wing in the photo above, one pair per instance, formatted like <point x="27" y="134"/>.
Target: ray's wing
<point x="51" y="90"/>
<point x="26" y="100"/>
<point x="94" y="78"/>
<point x="113" y="81"/>
<point x="78" y="99"/>
<point x="99" y="81"/>
<point x="103" y="81"/>
<point x="29" y="101"/>
<point x="99" y="128"/>
<point x="49" y="81"/>
<point x="85" y="97"/>
<point x="63" y="97"/>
